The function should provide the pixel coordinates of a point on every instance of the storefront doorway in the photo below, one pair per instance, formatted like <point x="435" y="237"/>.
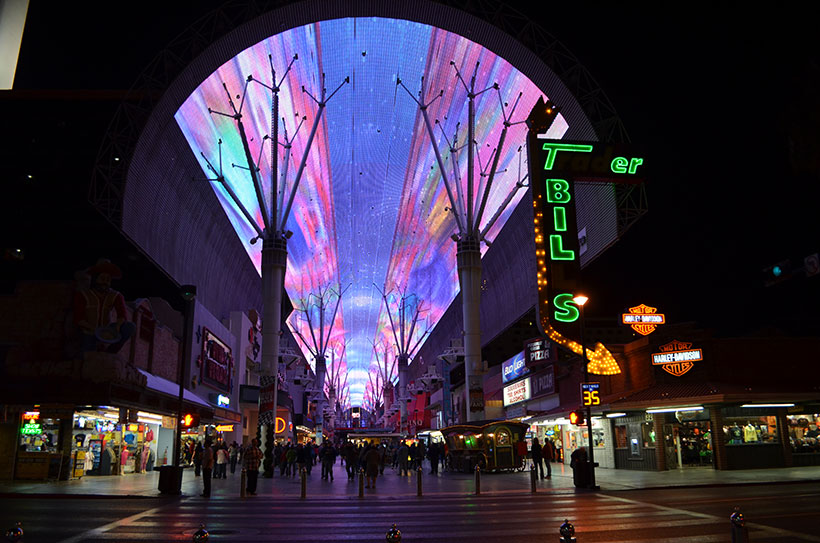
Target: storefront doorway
<point x="688" y="444"/>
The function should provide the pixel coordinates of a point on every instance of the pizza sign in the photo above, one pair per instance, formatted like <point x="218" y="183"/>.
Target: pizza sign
<point x="643" y="319"/>
<point x="677" y="357"/>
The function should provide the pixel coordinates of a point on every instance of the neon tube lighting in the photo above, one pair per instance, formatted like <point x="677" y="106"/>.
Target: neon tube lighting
<point x="767" y="405"/>
<point x="674" y="409"/>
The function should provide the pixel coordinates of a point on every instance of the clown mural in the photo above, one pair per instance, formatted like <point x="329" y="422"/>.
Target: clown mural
<point x="93" y="307"/>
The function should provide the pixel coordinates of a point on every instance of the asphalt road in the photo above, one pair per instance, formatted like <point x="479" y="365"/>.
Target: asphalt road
<point x="775" y="513"/>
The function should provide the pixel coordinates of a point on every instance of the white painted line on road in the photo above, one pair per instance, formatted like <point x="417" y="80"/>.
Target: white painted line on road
<point x="111" y="525"/>
<point x="751" y="525"/>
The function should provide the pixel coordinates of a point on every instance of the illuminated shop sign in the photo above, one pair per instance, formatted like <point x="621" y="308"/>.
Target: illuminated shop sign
<point x="216" y="362"/>
<point x="31" y="429"/>
<point x="31" y="416"/>
<point x="224" y="427"/>
<point x="514" y="368"/>
<point x="643" y="319"/>
<point x="221" y="400"/>
<point x="555" y="166"/>
<point x="537" y="351"/>
<point x="517" y="392"/>
<point x="677" y="357"/>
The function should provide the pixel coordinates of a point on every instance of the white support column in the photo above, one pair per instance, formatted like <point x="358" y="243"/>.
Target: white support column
<point x="468" y="258"/>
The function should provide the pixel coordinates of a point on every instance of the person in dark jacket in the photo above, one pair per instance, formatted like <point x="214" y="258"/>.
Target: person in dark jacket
<point x="371" y="459"/>
<point x="537" y="456"/>
<point x="197" y="459"/>
<point x="327" y="454"/>
<point x="433" y="454"/>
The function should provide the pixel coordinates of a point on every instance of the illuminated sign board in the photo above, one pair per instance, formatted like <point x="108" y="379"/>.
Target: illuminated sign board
<point x="217" y="362"/>
<point x="223" y="401"/>
<point x="514" y="368"/>
<point x="31" y="416"/>
<point x="677" y="357"/>
<point x="590" y="394"/>
<point x="555" y="165"/>
<point x="643" y="319"/>
<point x="517" y="392"/>
<point x="224" y="427"/>
<point x="538" y="351"/>
<point x="31" y="429"/>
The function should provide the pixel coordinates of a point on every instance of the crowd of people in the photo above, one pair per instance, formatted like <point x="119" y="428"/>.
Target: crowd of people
<point x="211" y="460"/>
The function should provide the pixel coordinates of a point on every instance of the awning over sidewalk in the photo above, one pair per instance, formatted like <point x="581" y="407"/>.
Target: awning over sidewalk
<point x="164" y="386"/>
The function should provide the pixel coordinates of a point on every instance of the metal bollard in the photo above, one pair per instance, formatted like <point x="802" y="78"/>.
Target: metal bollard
<point x="303" y="476"/>
<point x="533" y="479"/>
<point x="394" y="535"/>
<point x="740" y="533"/>
<point x="477" y="480"/>
<point x="418" y="481"/>
<point x="16" y="533"/>
<point x="201" y="534"/>
<point x="243" y="483"/>
<point x="361" y="483"/>
<point x="567" y="531"/>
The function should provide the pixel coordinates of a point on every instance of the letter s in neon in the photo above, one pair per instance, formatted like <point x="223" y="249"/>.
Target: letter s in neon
<point x="565" y="309"/>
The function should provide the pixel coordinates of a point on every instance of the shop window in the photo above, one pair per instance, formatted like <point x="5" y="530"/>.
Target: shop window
<point x="752" y="430"/>
<point x="804" y="434"/>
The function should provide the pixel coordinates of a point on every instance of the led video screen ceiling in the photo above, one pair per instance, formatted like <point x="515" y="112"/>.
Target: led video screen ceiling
<point x="371" y="208"/>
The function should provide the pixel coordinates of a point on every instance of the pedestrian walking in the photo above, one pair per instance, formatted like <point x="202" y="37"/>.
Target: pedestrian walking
<point x="291" y="458"/>
<point x="207" y="467"/>
<point x="403" y="455"/>
<point x="327" y="455"/>
<point x="221" y="462"/>
<point x="548" y="452"/>
<point x="521" y="451"/>
<point x="433" y="454"/>
<point x="251" y="459"/>
<point x="351" y="460"/>
<point x="371" y="470"/>
<point x="233" y="454"/>
<point x="537" y="456"/>
<point x="197" y="459"/>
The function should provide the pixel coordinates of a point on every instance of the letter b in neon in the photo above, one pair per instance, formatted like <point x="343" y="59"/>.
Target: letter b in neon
<point x="557" y="191"/>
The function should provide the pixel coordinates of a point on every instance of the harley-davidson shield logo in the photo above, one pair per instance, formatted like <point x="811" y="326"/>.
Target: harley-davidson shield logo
<point x="643" y="319"/>
<point x="676" y="357"/>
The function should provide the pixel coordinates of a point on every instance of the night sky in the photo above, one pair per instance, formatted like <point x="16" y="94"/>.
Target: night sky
<point x="727" y="101"/>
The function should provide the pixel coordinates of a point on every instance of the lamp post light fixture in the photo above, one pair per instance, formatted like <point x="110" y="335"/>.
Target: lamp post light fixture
<point x="581" y="300"/>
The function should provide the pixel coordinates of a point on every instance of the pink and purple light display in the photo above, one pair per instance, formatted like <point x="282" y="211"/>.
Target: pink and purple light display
<point x="370" y="208"/>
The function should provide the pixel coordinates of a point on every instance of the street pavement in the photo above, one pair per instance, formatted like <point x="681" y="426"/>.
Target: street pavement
<point x="449" y="511"/>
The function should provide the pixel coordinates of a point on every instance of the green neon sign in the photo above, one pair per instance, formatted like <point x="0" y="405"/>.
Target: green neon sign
<point x="31" y="429"/>
<point x="565" y="309"/>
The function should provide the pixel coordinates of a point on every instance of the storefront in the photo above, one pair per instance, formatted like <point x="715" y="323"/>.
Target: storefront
<point x="804" y="436"/>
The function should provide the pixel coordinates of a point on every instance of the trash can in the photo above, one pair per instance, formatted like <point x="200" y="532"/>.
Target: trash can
<point x="580" y="473"/>
<point x="170" y="480"/>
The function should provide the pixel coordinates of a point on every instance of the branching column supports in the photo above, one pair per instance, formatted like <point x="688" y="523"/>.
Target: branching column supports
<point x="273" y="233"/>
<point x="321" y="331"/>
<point x="403" y="329"/>
<point x="467" y="207"/>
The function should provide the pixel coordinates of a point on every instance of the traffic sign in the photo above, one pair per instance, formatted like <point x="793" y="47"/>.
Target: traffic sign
<point x="590" y="394"/>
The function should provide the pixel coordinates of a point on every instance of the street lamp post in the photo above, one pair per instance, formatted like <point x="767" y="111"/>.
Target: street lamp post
<point x="581" y="300"/>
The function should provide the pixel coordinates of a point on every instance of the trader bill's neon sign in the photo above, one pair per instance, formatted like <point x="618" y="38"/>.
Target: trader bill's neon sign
<point x="554" y="166"/>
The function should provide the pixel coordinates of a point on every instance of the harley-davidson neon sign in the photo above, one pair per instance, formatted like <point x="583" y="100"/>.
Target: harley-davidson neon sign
<point x="677" y="357"/>
<point x="643" y="319"/>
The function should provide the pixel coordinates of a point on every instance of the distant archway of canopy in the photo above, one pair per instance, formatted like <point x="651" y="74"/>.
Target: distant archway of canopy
<point x="371" y="208"/>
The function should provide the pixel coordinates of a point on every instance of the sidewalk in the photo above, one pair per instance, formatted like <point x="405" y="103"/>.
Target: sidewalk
<point x="392" y="486"/>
